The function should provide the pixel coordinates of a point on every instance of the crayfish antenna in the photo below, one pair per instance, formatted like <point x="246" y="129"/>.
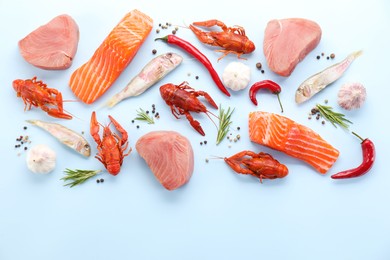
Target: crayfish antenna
<point x="214" y="157"/>
<point x="211" y="118"/>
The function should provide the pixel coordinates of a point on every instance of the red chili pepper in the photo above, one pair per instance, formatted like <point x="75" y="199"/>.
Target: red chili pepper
<point x="368" y="150"/>
<point x="266" y="84"/>
<point x="172" y="39"/>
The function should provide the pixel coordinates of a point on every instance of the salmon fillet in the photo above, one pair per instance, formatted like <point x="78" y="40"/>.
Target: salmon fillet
<point x="92" y="79"/>
<point x="288" y="41"/>
<point x="285" y="135"/>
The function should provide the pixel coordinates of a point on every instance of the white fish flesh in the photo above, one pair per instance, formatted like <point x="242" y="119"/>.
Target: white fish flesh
<point x="154" y="71"/>
<point x="320" y="80"/>
<point x="66" y="136"/>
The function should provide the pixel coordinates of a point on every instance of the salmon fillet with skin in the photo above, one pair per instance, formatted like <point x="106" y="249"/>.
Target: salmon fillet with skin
<point x="51" y="46"/>
<point x="288" y="41"/>
<point x="169" y="155"/>
<point x="93" y="79"/>
<point x="296" y="140"/>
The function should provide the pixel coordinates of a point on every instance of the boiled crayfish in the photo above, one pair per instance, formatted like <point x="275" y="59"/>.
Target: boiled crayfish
<point x="111" y="148"/>
<point x="231" y="39"/>
<point x="182" y="99"/>
<point x="36" y="93"/>
<point x="260" y="165"/>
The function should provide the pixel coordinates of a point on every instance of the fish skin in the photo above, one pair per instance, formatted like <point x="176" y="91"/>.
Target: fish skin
<point x="320" y="80"/>
<point x="65" y="135"/>
<point x="153" y="72"/>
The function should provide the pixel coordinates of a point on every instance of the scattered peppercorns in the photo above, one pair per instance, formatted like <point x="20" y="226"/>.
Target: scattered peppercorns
<point x="22" y="141"/>
<point x="154" y="51"/>
<point x="196" y="77"/>
<point x="332" y="55"/>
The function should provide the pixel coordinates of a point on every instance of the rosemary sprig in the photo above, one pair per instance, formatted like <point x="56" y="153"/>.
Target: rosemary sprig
<point x="333" y="117"/>
<point x="224" y="123"/>
<point x="143" y="116"/>
<point x="78" y="176"/>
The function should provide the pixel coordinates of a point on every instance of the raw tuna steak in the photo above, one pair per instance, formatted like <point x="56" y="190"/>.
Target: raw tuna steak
<point x="169" y="155"/>
<point x="51" y="46"/>
<point x="288" y="41"/>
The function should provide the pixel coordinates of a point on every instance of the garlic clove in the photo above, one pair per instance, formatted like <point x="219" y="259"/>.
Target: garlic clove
<point x="236" y="76"/>
<point x="41" y="159"/>
<point x="351" y="95"/>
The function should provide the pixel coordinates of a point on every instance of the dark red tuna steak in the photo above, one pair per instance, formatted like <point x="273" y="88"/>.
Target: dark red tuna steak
<point x="51" y="46"/>
<point x="288" y="41"/>
<point x="169" y="155"/>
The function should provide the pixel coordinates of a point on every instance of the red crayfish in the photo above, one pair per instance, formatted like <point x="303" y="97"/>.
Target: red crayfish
<point x="111" y="147"/>
<point x="261" y="165"/>
<point x="182" y="99"/>
<point x="231" y="39"/>
<point x="36" y="93"/>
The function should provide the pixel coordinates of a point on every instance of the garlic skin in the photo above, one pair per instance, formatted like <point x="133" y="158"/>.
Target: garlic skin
<point x="236" y="75"/>
<point x="351" y="95"/>
<point x="41" y="159"/>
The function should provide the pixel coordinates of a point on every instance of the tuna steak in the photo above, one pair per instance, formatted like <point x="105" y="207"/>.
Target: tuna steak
<point x="169" y="155"/>
<point x="51" y="46"/>
<point x="288" y="41"/>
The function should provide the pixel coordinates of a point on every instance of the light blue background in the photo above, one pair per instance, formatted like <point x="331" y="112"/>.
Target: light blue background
<point x="218" y="214"/>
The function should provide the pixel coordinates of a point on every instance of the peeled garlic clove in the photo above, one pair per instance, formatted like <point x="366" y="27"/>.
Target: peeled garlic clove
<point x="351" y="95"/>
<point x="236" y="75"/>
<point x="41" y="159"/>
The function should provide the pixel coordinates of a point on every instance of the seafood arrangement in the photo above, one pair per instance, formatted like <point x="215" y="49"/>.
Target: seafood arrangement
<point x="168" y="153"/>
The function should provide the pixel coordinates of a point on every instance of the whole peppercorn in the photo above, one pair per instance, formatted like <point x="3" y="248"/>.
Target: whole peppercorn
<point x="258" y="65"/>
<point x="332" y="55"/>
<point x="154" y="51"/>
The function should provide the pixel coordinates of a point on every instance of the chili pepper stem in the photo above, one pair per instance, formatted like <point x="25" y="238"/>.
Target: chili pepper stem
<point x="280" y="103"/>
<point x="358" y="136"/>
<point x="165" y="38"/>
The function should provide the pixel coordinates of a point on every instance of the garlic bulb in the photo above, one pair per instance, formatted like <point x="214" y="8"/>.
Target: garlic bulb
<point x="351" y="96"/>
<point x="236" y="75"/>
<point x="41" y="159"/>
